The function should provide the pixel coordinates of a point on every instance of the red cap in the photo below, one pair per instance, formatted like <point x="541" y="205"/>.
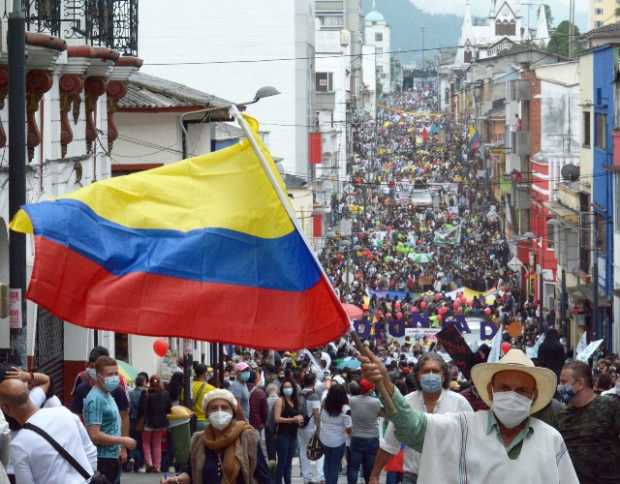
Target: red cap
<point x="365" y="385"/>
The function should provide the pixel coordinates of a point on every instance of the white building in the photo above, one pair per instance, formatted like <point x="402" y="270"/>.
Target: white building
<point x="73" y="87"/>
<point x="369" y="69"/>
<point x="378" y="35"/>
<point x="253" y="44"/>
<point x="505" y="27"/>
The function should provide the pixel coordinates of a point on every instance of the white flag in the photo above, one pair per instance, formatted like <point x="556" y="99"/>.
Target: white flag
<point x="496" y="347"/>
<point x="583" y="342"/>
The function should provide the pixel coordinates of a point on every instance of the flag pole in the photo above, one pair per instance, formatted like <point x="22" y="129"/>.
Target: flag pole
<point x="284" y="200"/>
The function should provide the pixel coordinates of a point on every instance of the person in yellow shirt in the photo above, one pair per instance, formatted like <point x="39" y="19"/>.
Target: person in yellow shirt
<point x="200" y="388"/>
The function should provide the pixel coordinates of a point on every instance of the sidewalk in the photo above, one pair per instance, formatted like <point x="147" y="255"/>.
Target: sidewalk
<point x="133" y="478"/>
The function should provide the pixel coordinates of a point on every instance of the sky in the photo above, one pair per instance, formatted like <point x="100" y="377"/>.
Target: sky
<point x="480" y="8"/>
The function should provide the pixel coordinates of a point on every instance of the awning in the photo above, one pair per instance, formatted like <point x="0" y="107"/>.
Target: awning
<point x="565" y="214"/>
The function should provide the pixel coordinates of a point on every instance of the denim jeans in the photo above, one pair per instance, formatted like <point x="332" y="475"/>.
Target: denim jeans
<point x="270" y="443"/>
<point x="363" y="453"/>
<point x="286" y="444"/>
<point x="332" y="463"/>
<point x="393" y="478"/>
<point x="136" y="454"/>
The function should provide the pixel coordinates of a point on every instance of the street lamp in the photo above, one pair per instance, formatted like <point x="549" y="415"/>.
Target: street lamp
<point x="263" y="92"/>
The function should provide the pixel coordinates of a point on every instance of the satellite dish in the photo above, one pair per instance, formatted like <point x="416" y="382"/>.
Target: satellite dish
<point x="570" y="172"/>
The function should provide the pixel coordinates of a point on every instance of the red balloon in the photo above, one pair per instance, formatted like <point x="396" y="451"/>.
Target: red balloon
<point x="423" y="304"/>
<point x="442" y="310"/>
<point x="399" y="315"/>
<point x="160" y="347"/>
<point x="506" y="346"/>
<point x="414" y="310"/>
<point x="439" y="318"/>
<point x="456" y="305"/>
<point x="397" y="306"/>
<point x="437" y="296"/>
<point x="487" y="311"/>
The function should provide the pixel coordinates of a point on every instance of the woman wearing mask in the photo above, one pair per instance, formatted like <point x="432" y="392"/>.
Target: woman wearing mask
<point x="155" y="405"/>
<point x="335" y="427"/>
<point x="432" y="377"/>
<point x="228" y="451"/>
<point x="288" y="419"/>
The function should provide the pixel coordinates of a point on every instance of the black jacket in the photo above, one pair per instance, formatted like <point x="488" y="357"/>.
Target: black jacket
<point x="154" y="407"/>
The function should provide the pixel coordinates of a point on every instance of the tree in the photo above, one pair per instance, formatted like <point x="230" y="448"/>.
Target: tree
<point x="549" y="16"/>
<point x="559" y="39"/>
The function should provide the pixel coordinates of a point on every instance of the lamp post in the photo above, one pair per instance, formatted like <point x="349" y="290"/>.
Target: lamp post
<point x="16" y="39"/>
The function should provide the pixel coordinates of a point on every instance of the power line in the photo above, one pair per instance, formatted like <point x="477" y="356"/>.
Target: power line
<point x="328" y="56"/>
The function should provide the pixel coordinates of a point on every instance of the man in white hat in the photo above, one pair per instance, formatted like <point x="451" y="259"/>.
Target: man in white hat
<point x="503" y="444"/>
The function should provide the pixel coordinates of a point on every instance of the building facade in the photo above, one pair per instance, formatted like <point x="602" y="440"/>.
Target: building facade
<point x="378" y="35"/>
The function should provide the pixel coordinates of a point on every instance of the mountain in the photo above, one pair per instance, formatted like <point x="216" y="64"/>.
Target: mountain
<point x="406" y="21"/>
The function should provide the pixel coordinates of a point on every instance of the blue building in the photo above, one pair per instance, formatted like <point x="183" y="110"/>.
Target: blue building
<point x="604" y="102"/>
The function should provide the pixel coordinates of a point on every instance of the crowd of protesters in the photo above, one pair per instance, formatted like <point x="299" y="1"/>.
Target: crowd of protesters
<point x="418" y="226"/>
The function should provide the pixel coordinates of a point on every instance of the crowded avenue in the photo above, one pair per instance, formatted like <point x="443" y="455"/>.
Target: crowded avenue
<point x="397" y="263"/>
<point x="420" y="261"/>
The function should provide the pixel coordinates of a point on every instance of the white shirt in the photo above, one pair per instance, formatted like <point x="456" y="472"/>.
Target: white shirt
<point x="449" y="402"/>
<point x="612" y="391"/>
<point x="332" y="432"/>
<point x="457" y="448"/>
<point x="35" y="461"/>
<point x="40" y="400"/>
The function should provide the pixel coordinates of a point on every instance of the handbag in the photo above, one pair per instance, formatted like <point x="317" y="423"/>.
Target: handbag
<point x="96" y="478"/>
<point x="314" y="449"/>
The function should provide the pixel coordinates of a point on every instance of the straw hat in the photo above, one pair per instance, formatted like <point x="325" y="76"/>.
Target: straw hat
<point x="515" y="360"/>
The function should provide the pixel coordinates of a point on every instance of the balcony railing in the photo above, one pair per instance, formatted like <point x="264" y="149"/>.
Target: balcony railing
<point x="101" y="23"/>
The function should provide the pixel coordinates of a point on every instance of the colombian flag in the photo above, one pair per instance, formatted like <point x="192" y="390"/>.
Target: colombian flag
<point x="199" y="249"/>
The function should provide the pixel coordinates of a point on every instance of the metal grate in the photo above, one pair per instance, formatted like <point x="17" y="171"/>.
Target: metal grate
<point x="49" y="349"/>
<point x="101" y="23"/>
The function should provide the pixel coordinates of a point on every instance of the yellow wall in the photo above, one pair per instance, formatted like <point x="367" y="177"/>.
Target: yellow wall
<point x="602" y="12"/>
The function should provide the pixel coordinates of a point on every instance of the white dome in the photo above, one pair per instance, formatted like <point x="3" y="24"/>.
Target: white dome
<point x="375" y="16"/>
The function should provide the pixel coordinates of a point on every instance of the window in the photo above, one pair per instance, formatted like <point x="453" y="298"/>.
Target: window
<point x="602" y="234"/>
<point x="586" y="129"/>
<point x="598" y="11"/>
<point x="600" y="131"/>
<point x="324" y="81"/>
<point x="379" y="51"/>
<point x="598" y="24"/>
<point x="378" y="37"/>
<point x="550" y="235"/>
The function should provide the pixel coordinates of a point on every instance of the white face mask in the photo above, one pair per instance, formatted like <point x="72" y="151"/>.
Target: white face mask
<point x="220" y="419"/>
<point x="510" y="408"/>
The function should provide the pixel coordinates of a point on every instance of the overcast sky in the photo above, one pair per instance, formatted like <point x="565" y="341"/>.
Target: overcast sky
<point x="481" y="8"/>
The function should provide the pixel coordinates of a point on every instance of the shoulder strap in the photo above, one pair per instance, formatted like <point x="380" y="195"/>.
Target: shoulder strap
<point x="76" y="465"/>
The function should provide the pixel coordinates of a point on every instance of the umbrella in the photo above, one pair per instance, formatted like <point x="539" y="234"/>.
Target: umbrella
<point x="353" y="311"/>
<point x="128" y="372"/>
<point x="348" y="363"/>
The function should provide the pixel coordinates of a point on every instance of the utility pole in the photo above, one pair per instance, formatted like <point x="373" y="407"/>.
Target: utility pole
<point x="571" y="30"/>
<point x="16" y="38"/>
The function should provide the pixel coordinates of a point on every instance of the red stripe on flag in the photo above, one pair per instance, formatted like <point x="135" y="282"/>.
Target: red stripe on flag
<point x="80" y="291"/>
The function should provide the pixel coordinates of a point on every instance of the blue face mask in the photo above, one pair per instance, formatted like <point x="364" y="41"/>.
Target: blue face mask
<point x="288" y="392"/>
<point x="111" y="382"/>
<point x="244" y="376"/>
<point x="566" y="392"/>
<point x="431" y="382"/>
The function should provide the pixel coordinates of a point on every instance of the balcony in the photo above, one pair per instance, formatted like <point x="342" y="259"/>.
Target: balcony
<point x="518" y="90"/>
<point x="324" y="101"/>
<point x="102" y="23"/>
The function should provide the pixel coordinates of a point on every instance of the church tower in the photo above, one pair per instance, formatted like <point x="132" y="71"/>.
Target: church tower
<point x="506" y="20"/>
<point x="465" y="53"/>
